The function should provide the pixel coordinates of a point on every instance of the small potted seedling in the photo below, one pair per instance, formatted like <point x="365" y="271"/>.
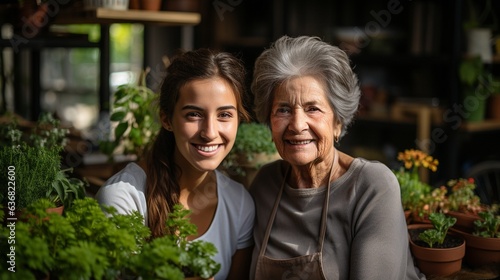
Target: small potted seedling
<point x="436" y="250"/>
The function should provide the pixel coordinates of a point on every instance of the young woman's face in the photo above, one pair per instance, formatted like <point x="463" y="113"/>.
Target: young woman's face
<point x="302" y="121"/>
<point x="204" y="123"/>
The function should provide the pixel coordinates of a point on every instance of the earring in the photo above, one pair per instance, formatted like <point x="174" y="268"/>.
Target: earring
<point x="336" y="138"/>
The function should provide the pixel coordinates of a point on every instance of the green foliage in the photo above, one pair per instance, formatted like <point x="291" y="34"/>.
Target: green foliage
<point x="488" y="226"/>
<point x="34" y="160"/>
<point x="462" y="197"/>
<point x="412" y="190"/>
<point x="136" y="127"/>
<point x="34" y="171"/>
<point x="65" y="189"/>
<point x="441" y="223"/>
<point x="251" y="139"/>
<point x="196" y="255"/>
<point x="477" y="80"/>
<point x="89" y="243"/>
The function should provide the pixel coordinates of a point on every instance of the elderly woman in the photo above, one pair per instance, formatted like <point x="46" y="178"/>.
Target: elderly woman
<point x="320" y="213"/>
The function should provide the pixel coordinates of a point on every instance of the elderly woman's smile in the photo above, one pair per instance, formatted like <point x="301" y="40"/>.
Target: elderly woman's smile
<point x="302" y="121"/>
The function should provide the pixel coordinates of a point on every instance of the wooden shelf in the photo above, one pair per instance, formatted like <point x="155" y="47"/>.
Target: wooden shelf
<point x="486" y="125"/>
<point x="108" y="16"/>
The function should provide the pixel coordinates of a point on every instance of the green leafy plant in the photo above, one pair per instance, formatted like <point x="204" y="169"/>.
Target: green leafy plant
<point x="488" y="225"/>
<point x="252" y="139"/>
<point x="135" y="125"/>
<point x="89" y="243"/>
<point x="33" y="158"/>
<point x="186" y="258"/>
<point x="64" y="190"/>
<point x="441" y="224"/>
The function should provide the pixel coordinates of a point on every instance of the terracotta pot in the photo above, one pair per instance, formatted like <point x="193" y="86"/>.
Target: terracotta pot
<point x="58" y="210"/>
<point x="151" y="5"/>
<point x="436" y="261"/>
<point x="408" y="216"/>
<point x="183" y="5"/>
<point x="494" y="106"/>
<point x="416" y="219"/>
<point x="134" y="4"/>
<point x="480" y="251"/>
<point x="18" y="214"/>
<point x="465" y="222"/>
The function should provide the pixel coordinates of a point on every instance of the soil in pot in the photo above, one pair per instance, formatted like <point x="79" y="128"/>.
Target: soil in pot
<point x="442" y="260"/>
<point x="450" y="241"/>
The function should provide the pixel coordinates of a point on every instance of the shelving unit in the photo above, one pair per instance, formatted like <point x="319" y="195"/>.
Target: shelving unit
<point x="427" y="72"/>
<point x="108" y="16"/>
<point x="103" y="17"/>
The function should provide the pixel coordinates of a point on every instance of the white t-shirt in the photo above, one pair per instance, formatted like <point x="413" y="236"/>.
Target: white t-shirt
<point x="232" y="225"/>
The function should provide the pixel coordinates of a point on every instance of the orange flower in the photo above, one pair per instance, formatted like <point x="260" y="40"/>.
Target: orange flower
<point x="415" y="158"/>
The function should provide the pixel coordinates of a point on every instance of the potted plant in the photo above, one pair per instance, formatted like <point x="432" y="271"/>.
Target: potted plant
<point x="478" y="28"/>
<point x="413" y="190"/>
<point x="494" y="101"/>
<point x="89" y="243"/>
<point x="463" y="204"/>
<point x="476" y="81"/>
<point x="135" y="126"/>
<point x="34" y="163"/>
<point x="436" y="251"/>
<point x="252" y="148"/>
<point x="483" y="244"/>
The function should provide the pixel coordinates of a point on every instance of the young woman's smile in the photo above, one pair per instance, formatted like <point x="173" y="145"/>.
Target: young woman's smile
<point x="204" y="122"/>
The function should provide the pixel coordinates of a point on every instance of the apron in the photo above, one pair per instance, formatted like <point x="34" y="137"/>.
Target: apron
<point x="298" y="268"/>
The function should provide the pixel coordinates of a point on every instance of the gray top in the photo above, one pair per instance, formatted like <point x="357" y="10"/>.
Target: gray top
<point x="366" y="236"/>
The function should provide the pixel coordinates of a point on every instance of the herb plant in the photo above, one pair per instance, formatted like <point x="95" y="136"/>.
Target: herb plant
<point x="488" y="226"/>
<point x="89" y="243"/>
<point x="64" y="190"/>
<point x="441" y="224"/>
<point x="35" y="161"/>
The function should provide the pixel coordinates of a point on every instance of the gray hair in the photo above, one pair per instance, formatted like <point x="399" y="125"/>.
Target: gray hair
<point x="289" y="57"/>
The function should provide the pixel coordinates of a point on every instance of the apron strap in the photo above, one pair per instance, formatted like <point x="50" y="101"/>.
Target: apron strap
<point x="324" y="215"/>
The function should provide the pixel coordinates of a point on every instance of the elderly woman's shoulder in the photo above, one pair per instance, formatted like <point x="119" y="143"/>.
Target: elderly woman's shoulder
<point x="373" y="167"/>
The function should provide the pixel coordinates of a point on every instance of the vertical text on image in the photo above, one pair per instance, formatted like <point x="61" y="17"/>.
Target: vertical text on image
<point x="11" y="217"/>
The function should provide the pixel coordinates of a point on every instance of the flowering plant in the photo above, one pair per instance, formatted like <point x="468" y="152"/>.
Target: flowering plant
<point x="462" y="197"/>
<point x="413" y="191"/>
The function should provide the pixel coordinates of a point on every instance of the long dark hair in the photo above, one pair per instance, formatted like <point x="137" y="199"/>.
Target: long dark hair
<point x="163" y="189"/>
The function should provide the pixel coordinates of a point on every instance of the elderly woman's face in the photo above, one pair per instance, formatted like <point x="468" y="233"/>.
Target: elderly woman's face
<point x="302" y="121"/>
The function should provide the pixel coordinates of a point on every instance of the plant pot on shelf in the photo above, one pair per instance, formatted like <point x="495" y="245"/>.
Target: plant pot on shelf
<point x="183" y="5"/>
<point x="479" y="43"/>
<point x="475" y="105"/>
<point x="108" y="4"/>
<point x="151" y="5"/>
<point x="436" y="261"/>
<point x="480" y="251"/>
<point x="494" y="106"/>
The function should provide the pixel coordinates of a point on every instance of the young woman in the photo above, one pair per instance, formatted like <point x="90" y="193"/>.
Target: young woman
<point x="200" y="107"/>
